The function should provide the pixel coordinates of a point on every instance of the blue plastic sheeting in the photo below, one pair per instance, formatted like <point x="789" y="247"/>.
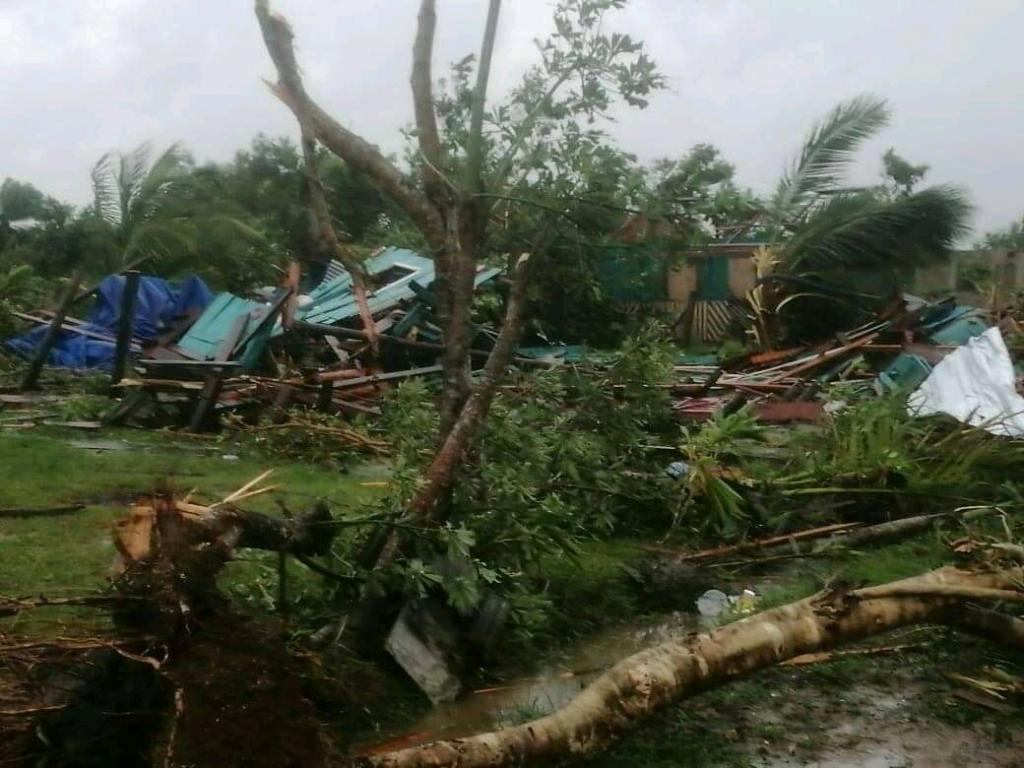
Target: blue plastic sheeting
<point x="157" y="306"/>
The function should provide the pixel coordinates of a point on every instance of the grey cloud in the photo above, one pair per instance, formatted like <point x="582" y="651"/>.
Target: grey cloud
<point x="81" y="77"/>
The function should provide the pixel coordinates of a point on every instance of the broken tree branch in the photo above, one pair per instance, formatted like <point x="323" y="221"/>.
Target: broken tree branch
<point x="462" y="435"/>
<point x="332" y="244"/>
<point x="651" y="679"/>
<point x="349" y="146"/>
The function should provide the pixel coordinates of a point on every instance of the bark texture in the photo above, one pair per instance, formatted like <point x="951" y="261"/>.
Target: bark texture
<point x="651" y="679"/>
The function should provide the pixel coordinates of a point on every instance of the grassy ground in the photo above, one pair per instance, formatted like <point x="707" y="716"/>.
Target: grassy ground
<point x="742" y="724"/>
<point x="61" y="555"/>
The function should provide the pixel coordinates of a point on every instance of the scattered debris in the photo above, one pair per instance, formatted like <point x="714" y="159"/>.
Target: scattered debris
<point x="897" y="350"/>
<point x="975" y="384"/>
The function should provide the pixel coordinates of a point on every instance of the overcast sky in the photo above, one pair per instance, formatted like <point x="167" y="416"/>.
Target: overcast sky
<point x="80" y="77"/>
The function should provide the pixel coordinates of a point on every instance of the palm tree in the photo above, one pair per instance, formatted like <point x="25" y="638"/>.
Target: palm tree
<point x="823" y="237"/>
<point x="164" y="211"/>
<point x="138" y="202"/>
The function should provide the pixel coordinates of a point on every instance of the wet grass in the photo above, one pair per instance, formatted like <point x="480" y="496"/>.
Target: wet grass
<point x="62" y="555"/>
<point x="583" y="595"/>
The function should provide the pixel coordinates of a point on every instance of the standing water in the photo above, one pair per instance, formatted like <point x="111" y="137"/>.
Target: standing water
<point x="548" y="688"/>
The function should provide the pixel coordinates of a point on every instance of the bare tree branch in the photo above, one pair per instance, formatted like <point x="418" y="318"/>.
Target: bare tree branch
<point x="475" y="147"/>
<point x="349" y="146"/>
<point x="332" y="243"/>
<point x="421" y="81"/>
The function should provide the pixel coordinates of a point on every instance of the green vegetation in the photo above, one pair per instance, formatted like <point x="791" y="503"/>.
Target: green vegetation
<point x="1009" y="239"/>
<point x="74" y="553"/>
<point x="824" y="237"/>
<point x="550" y="490"/>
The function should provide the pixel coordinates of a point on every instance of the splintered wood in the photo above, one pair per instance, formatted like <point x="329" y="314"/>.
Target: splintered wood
<point x="134" y="536"/>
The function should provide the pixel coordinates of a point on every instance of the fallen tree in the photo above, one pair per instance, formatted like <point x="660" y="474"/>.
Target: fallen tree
<point x="647" y="681"/>
<point x="178" y="659"/>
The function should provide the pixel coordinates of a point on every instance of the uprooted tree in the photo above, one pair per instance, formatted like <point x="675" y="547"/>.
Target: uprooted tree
<point x="170" y="551"/>
<point x="471" y="159"/>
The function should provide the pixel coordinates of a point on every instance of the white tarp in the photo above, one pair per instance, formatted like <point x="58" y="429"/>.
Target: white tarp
<point x="975" y="385"/>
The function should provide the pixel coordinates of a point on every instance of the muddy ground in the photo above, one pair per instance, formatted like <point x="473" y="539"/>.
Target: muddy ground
<point x="896" y="710"/>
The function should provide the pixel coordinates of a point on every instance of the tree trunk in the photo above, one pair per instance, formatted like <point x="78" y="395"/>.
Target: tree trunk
<point x="641" y="684"/>
<point x="332" y="244"/>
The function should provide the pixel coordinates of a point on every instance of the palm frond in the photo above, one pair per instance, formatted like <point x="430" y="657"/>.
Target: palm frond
<point x="161" y="239"/>
<point x="861" y="231"/>
<point x="234" y="225"/>
<point x="152" y="188"/>
<point x="131" y="172"/>
<point x="827" y="153"/>
<point x="106" y="199"/>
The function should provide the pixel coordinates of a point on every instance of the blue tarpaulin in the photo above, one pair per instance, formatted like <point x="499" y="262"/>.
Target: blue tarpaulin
<point x="157" y="306"/>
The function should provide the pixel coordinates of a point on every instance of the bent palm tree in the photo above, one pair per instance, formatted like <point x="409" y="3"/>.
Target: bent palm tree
<point x="161" y="211"/>
<point x="823" y="237"/>
<point x="135" y="200"/>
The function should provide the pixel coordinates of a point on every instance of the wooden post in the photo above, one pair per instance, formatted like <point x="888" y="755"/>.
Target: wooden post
<point x="202" y="415"/>
<point x="325" y="398"/>
<point x="125" y="323"/>
<point x="35" y="366"/>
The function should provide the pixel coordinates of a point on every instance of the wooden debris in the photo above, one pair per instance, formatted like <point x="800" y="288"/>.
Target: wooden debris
<point x="748" y="546"/>
<point x="823" y="656"/>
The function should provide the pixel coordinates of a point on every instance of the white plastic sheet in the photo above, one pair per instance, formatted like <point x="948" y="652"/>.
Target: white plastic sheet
<point x="975" y="385"/>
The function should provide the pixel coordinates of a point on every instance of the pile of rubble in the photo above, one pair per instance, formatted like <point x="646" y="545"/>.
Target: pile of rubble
<point x="197" y="354"/>
<point x="897" y="350"/>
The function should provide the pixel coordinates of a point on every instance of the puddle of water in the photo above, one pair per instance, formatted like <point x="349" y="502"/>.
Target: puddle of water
<point x="546" y="689"/>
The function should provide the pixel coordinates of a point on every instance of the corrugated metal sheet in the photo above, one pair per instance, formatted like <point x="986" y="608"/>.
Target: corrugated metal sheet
<point x="211" y="327"/>
<point x="332" y="300"/>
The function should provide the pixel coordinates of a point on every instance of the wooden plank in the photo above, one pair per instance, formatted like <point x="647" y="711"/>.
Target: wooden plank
<point x="190" y="363"/>
<point x="67" y="326"/>
<point x="348" y="405"/>
<point x="337" y="349"/>
<point x="379" y="377"/>
<point x="207" y="401"/>
<point x="325" y="397"/>
<point x="351" y="333"/>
